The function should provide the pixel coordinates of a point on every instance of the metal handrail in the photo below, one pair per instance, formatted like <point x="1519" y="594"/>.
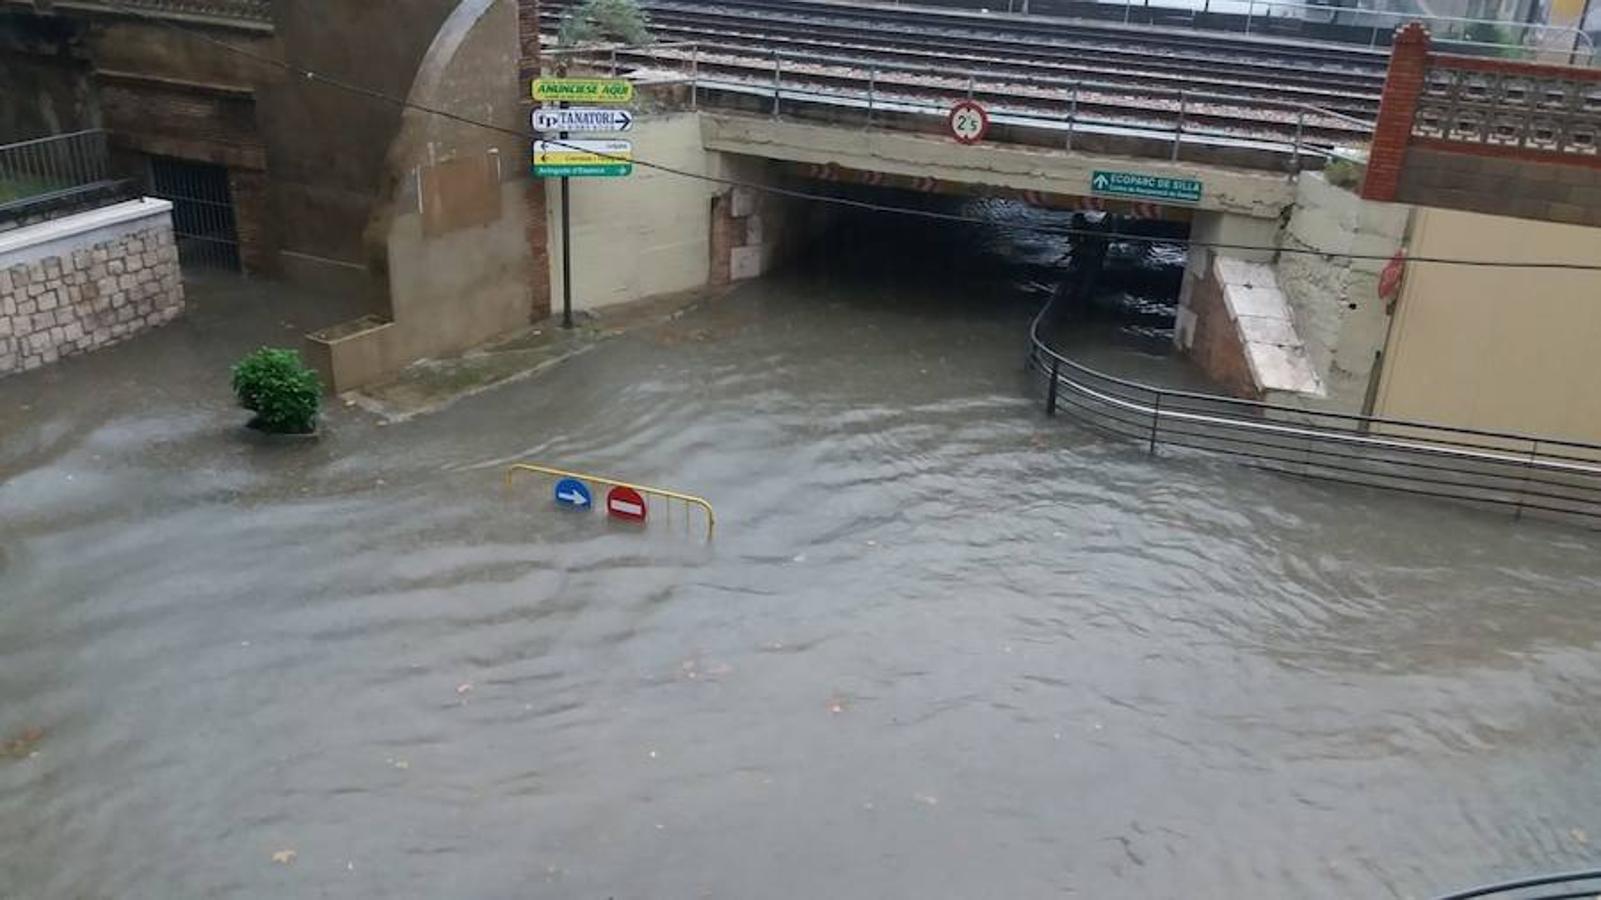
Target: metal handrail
<point x="1566" y="879"/>
<point x="1525" y="472"/>
<point x="664" y="493"/>
<point x="1581" y="44"/>
<point x="59" y="166"/>
<point x="875" y="98"/>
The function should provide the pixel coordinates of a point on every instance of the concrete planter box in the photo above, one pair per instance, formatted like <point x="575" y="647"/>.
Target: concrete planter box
<point x="350" y="354"/>
<point x="273" y="439"/>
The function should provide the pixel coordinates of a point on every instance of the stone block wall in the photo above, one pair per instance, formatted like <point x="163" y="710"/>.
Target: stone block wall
<point x="1335" y="298"/>
<point x="83" y="295"/>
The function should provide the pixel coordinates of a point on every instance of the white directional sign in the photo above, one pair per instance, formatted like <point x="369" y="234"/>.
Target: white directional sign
<point x="582" y="119"/>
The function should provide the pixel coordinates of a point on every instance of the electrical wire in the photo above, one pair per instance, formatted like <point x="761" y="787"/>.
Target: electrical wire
<point x="812" y="196"/>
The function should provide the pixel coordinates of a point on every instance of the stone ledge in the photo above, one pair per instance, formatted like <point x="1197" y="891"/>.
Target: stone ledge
<point x="35" y="242"/>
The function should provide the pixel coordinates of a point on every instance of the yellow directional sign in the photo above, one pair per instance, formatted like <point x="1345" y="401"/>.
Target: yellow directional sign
<point x="584" y="90"/>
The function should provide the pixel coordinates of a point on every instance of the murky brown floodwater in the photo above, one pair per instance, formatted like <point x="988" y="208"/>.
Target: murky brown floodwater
<point x="941" y="647"/>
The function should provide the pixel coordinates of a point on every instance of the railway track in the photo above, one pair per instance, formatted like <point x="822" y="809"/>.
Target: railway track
<point x="1223" y="88"/>
<point x="1335" y="77"/>
<point x="1090" y="103"/>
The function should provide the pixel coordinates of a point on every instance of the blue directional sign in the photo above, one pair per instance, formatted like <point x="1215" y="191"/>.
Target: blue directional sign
<point x="572" y="492"/>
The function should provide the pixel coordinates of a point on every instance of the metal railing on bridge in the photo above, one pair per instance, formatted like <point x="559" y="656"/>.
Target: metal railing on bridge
<point x="1057" y="110"/>
<point x="1520" y="473"/>
<point x="1313" y="21"/>
<point x="66" y="170"/>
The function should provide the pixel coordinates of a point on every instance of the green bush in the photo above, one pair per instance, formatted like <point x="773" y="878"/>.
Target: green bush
<point x="597" y="20"/>
<point x="1344" y="173"/>
<point x="276" y="386"/>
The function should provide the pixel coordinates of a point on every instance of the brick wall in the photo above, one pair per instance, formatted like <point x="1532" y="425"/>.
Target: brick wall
<point x="1502" y="186"/>
<point x="1485" y="135"/>
<point x="1403" y="85"/>
<point x="1216" y="346"/>
<point x="85" y="297"/>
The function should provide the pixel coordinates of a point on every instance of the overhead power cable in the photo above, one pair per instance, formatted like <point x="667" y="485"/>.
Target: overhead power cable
<point x="812" y="196"/>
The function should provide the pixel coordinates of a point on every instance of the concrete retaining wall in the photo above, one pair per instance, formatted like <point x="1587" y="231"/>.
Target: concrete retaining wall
<point x="1338" y="312"/>
<point x="646" y="234"/>
<point x="79" y="283"/>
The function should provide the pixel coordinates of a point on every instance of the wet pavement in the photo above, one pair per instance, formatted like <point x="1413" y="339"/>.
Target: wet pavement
<point x="941" y="646"/>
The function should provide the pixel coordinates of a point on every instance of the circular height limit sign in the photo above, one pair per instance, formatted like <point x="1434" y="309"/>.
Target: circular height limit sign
<point x="968" y="122"/>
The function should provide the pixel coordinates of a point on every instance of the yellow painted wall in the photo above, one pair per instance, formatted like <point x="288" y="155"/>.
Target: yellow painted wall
<point x="1498" y="349"/>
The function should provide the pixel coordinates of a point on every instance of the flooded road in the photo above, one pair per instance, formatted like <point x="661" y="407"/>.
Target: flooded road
<point x="941" y="646"/>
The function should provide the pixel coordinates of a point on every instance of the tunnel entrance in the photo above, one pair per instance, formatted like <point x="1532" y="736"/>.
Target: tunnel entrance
<point x="1111" y="281"/>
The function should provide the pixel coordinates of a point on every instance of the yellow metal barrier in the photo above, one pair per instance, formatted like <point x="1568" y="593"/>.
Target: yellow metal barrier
<point x="687" y="499"/>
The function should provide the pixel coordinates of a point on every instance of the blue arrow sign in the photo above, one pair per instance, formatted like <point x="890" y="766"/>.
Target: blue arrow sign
<point x="572" y="492"/>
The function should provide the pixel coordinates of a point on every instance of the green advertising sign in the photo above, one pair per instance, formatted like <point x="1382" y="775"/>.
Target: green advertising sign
<point x="1146" y="187"/>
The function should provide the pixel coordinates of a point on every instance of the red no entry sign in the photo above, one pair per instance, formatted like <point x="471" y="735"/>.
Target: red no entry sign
<point x="968" y="122"/>
<point x="625" y="503"/>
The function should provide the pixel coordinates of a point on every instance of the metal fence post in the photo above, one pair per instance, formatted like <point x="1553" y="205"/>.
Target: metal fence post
<point x="872" y="89"/>
<point x="1300" y="128"/>
<point x="1156" y="420"/>
<point x="1523" y="486"/>
<point x="1050" y="391"/>
<point x="614" y="62"/>
<point x="778" y="75"/>
<point x="971" y="82"/>
<point x="1249" y="8"/>
<point x="1178" y="132"/>
<point x="694" y="76"/>
<point x="1072" y="115"/>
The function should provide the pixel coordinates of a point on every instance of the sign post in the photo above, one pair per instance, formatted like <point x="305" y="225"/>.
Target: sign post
<point x="564" y="90"/>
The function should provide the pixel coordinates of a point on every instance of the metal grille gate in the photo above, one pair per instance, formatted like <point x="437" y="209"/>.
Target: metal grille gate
<point x="202" y="211"/>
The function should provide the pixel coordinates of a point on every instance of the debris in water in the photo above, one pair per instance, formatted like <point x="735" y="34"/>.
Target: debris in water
<point x="928" y="799"/>
<point x="23" y="745"/>
<point x="464" y="687"/>
<point x="284" y="857"/>
<point x="1579" y="835"/>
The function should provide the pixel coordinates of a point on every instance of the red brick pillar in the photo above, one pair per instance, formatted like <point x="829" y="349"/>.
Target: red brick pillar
<point x="1409" y="62"/>
<point x="537" y="233"/>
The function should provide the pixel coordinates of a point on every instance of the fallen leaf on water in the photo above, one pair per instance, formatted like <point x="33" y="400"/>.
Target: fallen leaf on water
<point x="284" y="857"/>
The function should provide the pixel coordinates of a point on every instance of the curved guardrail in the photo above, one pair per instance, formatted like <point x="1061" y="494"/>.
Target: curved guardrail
<point x="1521" y="473"/>
<point x="1564" y="886"/>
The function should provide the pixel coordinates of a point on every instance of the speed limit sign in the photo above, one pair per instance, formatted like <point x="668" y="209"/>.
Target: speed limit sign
<point x="968" y="122"/>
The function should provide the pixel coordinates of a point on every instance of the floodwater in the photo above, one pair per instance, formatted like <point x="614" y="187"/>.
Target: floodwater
<point x="941" y="646"/>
